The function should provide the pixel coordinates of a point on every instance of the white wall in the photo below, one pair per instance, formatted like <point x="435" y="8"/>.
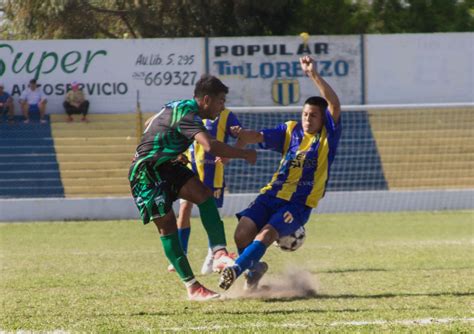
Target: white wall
<point x="419" y="68"/>
<point x="400" y="68"/>
<point x="47" y="209"/>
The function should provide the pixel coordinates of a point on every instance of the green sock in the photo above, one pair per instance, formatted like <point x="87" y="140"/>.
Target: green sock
<point x="176" y="256"/>
<point x="212" y="223"/>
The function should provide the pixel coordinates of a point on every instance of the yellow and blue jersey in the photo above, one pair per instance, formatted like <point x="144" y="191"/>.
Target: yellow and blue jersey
<point x="304" y="169"/>
<point x="202" y="163"/>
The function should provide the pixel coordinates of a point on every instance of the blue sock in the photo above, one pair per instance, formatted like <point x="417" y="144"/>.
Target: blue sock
<point x="251" y="255"/>
<point x="183" y="234"/>
<point x="240" y="251"/>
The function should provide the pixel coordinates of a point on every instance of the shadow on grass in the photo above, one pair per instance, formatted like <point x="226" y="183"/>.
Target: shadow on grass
<point x="350" y="270"/>
<point x="289" y="311"/>
<point x="367" y="270"/>
<point x="375" y="296"/>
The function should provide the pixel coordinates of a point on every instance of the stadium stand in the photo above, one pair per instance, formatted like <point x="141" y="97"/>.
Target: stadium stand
<point x="94" y="157"/>
<point x="379" y="149"/>
<point x="28" y="165"/>
<point x="425" y="149"/>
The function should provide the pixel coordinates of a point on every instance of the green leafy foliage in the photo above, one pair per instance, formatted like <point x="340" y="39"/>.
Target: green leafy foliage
<point x="71" y="19"/>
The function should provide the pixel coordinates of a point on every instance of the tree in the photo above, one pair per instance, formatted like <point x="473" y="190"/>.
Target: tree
<point x="145" y="18"/>
<point x="322" y="17"/>
<point x="395" y="16"/>
<point x="66" y="19"/>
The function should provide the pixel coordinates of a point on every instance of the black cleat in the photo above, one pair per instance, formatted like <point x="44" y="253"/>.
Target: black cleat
<point x="253" y="277"/>
<point x="228" y="277"/>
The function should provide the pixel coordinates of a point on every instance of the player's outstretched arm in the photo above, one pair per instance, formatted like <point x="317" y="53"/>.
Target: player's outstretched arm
<point x="221" y="149"/>
<point x="308" y="65"/>
<point x="238" y="144"/>
<point x="246" y="136"/>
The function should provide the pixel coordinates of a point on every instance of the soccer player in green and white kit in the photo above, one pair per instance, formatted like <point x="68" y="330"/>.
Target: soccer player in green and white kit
<point x="157" y="177"/>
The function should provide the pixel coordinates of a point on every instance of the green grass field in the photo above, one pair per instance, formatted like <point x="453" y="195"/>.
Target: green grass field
<point x="381" y="272"/>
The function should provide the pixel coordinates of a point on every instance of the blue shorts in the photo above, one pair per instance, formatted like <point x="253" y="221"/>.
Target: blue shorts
<point x="33" y="108"/>
<point x="286" y="217"/>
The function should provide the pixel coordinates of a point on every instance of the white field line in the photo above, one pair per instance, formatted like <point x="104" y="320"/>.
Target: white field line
<point x="408" y="322"/>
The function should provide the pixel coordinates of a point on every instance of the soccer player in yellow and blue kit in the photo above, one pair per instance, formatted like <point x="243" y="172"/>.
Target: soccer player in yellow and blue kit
<point x="210" y="171"/>
<point x="308" y="148"/>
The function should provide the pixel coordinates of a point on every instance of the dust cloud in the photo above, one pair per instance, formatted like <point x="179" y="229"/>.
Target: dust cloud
<point x="291" y="284"/>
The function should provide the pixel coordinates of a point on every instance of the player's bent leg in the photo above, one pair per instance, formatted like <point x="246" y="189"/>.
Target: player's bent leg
<point x="184" y="227"/>
<point x="207" y="265"/>
<point x="267" y="235"/>
<point x="250" y="257"/>
<point x="245" y="232"/>
<point x="195" y="191"/>
<point x="171" y="244"/>
<point x="172" y="247"/>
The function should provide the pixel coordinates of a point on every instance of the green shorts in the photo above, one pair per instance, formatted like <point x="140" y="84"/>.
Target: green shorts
<point x="155" y="189"/>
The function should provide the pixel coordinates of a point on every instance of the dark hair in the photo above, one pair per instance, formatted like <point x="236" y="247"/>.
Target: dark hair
<point x="317" y="101"/>
<point x="33" y="81"/>
<point x="209" y="85"/>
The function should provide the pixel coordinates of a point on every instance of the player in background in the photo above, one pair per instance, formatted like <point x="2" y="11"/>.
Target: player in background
<point x="210" y="170"/>
<point x="157" y="178"/>
<point x="308" y="148"/>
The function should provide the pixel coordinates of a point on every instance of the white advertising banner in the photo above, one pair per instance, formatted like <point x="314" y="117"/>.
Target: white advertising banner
<point x="420" y="68"/>
<point x="110" y="71"/>
<point x="265" y="71"/>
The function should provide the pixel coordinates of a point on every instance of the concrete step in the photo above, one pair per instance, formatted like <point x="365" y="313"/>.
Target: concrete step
<point x="430" y="183"/>
<point x="94" y="133"/>
<point x="421" y="142"/>
<point x="61" y="118"/>
<point x="468" y="148"/>
<point x="89" y="173"/>
<point x="422" y="134"/>
<point x="94" y="165"/>
<point x="102" y="141"/>
<point x="97" y="191"/>
<point x="434" y="173"/>
<point x="453" y="166"/>
<point x="93" y="149"/>
<point x="94" y="182"/>
<point x="97" y="157"/>
<point x="104" y="125"/>
<point x="424" y="158"/>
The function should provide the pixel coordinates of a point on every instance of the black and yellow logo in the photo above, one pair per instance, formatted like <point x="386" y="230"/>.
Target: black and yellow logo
<point x="286" y="91"/>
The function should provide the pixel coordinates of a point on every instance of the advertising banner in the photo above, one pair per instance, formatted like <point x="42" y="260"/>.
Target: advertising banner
<point x="265" y="71"/>
<point x="111" y="72"/>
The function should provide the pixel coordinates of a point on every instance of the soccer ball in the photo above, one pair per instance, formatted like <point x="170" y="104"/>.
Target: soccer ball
<point x="292" y="242"/>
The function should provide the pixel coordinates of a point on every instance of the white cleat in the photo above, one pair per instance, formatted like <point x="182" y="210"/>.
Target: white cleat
<point x="221" y="261"/>
<point x="206" y="268"/>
